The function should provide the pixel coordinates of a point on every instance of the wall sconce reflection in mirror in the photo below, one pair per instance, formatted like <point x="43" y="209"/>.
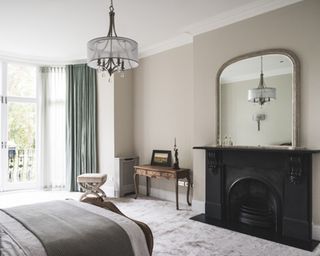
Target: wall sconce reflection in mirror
<point x="258" y="118"/>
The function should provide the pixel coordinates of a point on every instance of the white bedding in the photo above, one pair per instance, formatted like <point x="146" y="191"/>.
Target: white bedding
<point x="16" y="240"/>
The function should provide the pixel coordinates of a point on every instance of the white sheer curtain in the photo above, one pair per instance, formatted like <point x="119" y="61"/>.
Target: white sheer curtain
<point x="53" y="127"/>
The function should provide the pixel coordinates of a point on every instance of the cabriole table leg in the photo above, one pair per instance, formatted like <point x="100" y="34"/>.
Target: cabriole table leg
<point x="188" y="191"/>
<point x="177" y="193"/>
<point x="136" y="184"/>
<point x="148" y="185"/>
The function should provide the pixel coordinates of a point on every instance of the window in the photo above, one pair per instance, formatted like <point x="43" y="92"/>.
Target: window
<point x="19" y="129"/>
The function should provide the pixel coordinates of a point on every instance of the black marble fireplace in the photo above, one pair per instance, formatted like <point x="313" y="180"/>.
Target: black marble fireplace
<point x="265" y="192"/>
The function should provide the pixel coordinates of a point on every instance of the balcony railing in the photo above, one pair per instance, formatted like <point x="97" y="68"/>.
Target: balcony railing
<point x="21" y="165"/>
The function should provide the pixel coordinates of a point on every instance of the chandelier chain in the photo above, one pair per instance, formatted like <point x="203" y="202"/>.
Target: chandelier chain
<point x="111" y="6"/>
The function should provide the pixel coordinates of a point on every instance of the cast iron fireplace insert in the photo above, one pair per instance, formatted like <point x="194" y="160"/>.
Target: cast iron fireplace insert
<point x="264" y="192"/>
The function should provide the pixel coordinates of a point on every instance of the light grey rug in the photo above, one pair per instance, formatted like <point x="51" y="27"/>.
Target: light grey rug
<point x="175" y="234"/>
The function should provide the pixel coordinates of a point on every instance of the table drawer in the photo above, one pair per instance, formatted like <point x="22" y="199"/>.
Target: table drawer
<point x="167" y="175"/>
<point x="141" y="172"/>
<point x="153" y="174"/>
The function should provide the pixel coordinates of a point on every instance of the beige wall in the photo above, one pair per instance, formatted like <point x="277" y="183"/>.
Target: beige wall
<point x="163" y="107"/>
<point x="115" y="122"/>
<point x="296" y="28"/>
<point x="123" y="114"/>
<point x="105" y="127"/>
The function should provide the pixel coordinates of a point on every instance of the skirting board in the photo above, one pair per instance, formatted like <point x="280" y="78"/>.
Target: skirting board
<point x="198" y="206"/>
<point x="166" y="195"/>
<point x="316" y="232"/>
<point x="109" y="190"/>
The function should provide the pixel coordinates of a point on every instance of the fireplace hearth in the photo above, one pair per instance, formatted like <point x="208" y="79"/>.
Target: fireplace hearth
<point x="262" y="192"/>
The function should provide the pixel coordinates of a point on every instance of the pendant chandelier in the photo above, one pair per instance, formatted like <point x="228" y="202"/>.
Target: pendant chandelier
<point x="112" y="53"/>
<point x="261" y="94"/>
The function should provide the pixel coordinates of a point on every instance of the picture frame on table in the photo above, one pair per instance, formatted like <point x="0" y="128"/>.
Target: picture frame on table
<point x="161" y="158"/>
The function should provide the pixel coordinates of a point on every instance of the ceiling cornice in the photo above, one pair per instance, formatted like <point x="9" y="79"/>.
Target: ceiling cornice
<point x="183" y="39"/>
<point x="238" y="14"/>
<point x="36" y="60"/>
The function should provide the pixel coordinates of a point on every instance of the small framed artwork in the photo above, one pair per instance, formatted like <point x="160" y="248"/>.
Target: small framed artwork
<point x="161" y="158"/>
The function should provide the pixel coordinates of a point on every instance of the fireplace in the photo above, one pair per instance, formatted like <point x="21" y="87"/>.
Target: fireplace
<point x="254" y="203"/>
<point x="262" y="192"/>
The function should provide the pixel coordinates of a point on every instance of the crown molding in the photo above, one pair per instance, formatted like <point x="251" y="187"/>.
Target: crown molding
<point x="36" y="60"/>
<point x="238" y="14"/>
<point x="233" y="16"/>
<point x="180" y="40"/>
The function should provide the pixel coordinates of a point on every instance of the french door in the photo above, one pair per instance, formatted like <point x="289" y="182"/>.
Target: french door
<point x="19" y="123"/>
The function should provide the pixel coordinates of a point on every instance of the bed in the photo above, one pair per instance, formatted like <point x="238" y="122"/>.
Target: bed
<point x="71" y="228"/>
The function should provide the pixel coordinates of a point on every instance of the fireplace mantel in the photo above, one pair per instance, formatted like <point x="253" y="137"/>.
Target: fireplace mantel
<point x="283" y="149"/>
<point x="279" y="176"/>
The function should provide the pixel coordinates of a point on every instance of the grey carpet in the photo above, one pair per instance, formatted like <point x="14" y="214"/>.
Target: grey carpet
<point x="175" y="234"/>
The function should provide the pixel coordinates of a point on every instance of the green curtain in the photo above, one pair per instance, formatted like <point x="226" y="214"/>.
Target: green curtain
<point x="81" y="120"/>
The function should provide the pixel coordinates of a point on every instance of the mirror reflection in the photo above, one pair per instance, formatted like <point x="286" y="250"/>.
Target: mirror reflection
<point x="256" y="97"/>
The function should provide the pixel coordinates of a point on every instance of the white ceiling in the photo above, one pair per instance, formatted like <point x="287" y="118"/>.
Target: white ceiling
<point x="58" y="30"/>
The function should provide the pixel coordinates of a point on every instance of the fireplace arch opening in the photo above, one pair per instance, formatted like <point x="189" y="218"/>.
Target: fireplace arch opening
<point x="254" y="203"/>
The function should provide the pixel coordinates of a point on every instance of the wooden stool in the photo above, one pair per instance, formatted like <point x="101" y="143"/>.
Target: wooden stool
<point x="91" y="183"/>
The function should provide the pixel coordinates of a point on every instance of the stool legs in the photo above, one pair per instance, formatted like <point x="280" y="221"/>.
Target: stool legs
<point x="92" y="188"/>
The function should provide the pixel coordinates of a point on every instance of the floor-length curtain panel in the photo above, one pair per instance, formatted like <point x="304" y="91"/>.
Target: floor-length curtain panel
<point x="80" y="123"/>
<point x="53" y="127"/>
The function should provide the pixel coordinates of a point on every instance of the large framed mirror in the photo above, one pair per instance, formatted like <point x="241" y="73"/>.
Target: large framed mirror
<point x="258" y="100"/>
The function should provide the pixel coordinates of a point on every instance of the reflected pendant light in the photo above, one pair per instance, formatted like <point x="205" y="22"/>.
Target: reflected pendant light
<point x="261" y="94"/>
<point x="112" y="53"/>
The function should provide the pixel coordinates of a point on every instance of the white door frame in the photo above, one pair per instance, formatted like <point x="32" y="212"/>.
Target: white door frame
<point x="4" y="184"/>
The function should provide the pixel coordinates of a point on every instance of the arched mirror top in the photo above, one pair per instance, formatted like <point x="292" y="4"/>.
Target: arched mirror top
<point x="258" y="99"/>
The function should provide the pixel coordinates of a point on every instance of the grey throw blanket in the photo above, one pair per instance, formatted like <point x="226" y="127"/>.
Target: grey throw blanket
<point x="68" y="230"/>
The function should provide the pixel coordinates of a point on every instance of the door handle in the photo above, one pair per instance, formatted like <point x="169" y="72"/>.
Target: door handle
<point x="3" y="144"/>
<point x="4" y="99"/>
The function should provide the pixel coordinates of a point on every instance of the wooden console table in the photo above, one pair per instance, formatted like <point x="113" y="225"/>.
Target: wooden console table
<point x="152" y="171"/>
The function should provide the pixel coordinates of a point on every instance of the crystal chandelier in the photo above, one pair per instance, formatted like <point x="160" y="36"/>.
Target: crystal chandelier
<point x="112" y="53"/>
<point x="261" y="94"/>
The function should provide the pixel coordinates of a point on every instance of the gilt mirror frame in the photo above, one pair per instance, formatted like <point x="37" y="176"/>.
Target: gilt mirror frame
<point x="295" y="91"/>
